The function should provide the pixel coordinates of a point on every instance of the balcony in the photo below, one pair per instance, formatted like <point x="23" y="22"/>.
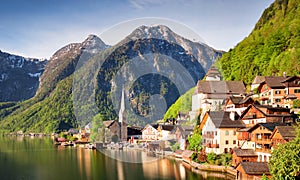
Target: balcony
<point x="263" y="150"/>
<point x="209" y="145"/>
<point x="263" y="141"/>
<point x="208" y="136"/>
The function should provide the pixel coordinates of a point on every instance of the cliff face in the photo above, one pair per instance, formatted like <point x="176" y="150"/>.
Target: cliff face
<point x="19" y="77"/>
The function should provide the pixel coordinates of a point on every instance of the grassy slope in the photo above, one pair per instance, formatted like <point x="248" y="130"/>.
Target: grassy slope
<point x="273" y="47"/>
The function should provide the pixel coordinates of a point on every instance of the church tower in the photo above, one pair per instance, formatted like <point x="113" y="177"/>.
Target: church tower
<point x="122" y="119"/>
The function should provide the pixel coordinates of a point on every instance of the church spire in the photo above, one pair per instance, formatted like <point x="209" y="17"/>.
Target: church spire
<point x="122" y="108"/>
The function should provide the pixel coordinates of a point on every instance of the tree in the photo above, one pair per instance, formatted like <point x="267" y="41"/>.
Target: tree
<point x="98" y="129"/>
<point x="296" y="103"/>
<point x="285" y="160"/>
<point x="195" y="141"/>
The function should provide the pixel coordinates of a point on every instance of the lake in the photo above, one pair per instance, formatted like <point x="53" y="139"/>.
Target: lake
<point x="23" y="158"/>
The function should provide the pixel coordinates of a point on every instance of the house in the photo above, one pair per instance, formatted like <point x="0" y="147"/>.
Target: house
<point x="282" y="134"/>
<point x="187" y="155"/>
<point x="210" y="95"/>
<point x="252" y="170"/>
<point x="181" y="135"/>
<point x="243" y="155"/>
<point x="292" y="90"/>
<point x="279" y="90"/>
<point x="113" y="129"/>
<point x="256" y="82"/>
<point x="150" y="132"/>
<point x="164" y="131"/>
<point x="219" y="131"/>
<point x="272" y="90"/>
<point x="260" y="135"/>
<point x="264" y="114"/>
<point x="237" y="104"/>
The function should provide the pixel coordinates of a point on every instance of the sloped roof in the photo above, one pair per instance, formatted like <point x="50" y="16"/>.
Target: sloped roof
<point x="290" y="78"/>
<point x="258" y="80"/>
<point x="186" y="130"/>
<point x="222" y="120"/>
<point x="220" y="87"/>
<point x="269" y="126"/>
<point x="255" y="168"/>
<point x="287" y="132"/>
<point x="275" y="81"/>
<point x="155" y="126"/>
<point x="167" y="127"/>
<point x="244" y="152"/>
<point x="108" y="123"/>
<point x="263" y="109"/>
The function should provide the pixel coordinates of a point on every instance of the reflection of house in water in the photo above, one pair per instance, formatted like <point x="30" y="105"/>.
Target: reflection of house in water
<point x="162" y="168"/>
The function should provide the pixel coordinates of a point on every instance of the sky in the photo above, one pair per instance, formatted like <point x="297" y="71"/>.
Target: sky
<point x="38" y="28"/>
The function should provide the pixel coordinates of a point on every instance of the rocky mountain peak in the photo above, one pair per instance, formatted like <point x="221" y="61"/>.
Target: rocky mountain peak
<point x="93" y="44"/>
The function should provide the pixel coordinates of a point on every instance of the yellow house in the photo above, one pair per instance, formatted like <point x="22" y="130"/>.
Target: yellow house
<point x="219" y="131"/>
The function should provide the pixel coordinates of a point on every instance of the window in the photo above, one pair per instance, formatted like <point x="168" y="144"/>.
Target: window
<point x="277" y="100"/>
<point x="296" y="90"/>
<point x="234" y="141"/>
<point x="226" y="133"/>
<point x="234" y="133"/>
<point x="226" y="142"/>
<point x="277" y="92"/>
<point x="216" y="133"/>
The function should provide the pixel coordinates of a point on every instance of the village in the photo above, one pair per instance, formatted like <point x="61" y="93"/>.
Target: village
<point x="246" y="125"/>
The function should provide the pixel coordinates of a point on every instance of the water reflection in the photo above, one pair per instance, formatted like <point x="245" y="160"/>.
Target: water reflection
<point x="35" y="159"/>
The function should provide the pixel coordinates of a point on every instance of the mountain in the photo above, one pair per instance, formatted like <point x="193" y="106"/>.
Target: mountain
<point x="273" y="47"/>
<point x="52" y="108"/>
<point x="152" y="53"/>
<point x="63" y="62"/>
<point x="19" y="76"/>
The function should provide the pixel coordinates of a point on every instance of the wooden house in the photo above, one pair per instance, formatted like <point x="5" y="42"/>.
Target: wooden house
<point x="252" y="170"/>
<point x="243" y="155"/>
<point x="282" y="134"/>
<point x="237" y="104"/>
<point x="278" y="90"/>
<point x="265" y="114"/>
<point x="260" y="135"/>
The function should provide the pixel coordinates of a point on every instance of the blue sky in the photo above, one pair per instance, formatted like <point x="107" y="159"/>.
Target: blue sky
<point x="37" y="28"/>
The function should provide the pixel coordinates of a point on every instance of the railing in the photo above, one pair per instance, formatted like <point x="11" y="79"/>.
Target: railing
<point x="265" y="150"/>
<point x="208" y="136"/>
<point x="209" y="145"/>
<point x="263" y="141"/>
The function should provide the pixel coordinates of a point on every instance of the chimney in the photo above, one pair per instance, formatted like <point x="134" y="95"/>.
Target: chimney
<point x="284" y="74"/>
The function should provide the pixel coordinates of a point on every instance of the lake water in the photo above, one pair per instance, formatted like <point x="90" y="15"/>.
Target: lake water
<point x="23" y="158"/>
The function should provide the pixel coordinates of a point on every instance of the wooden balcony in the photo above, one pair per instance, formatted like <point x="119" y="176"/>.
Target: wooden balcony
<point x="263" y="141"/>
<point x="263" y="150"/>
<point x="209" y="145"/>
